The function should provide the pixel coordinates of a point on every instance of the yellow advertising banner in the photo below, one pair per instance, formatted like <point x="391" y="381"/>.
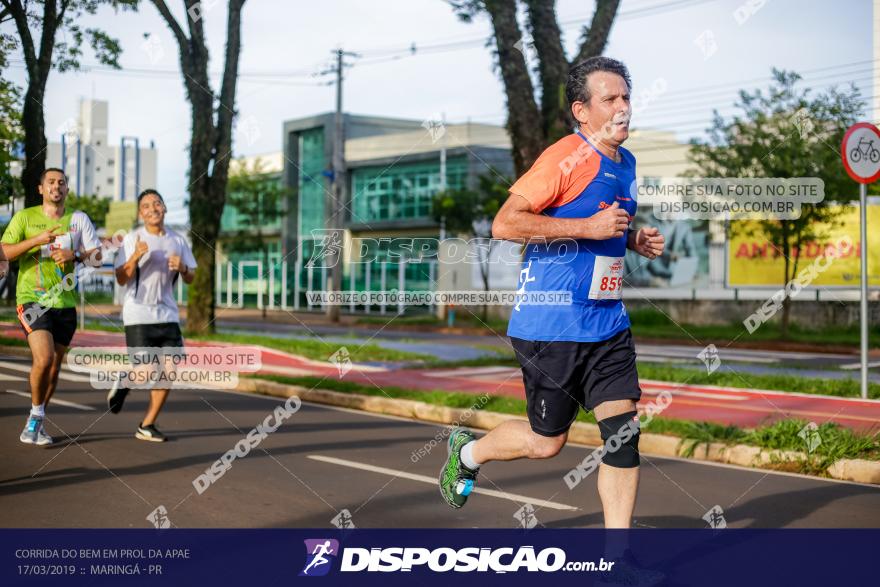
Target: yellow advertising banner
<point x="752" y="260"/>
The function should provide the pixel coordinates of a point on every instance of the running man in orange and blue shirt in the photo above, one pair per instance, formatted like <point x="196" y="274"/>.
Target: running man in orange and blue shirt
<point x="573" y="208"/>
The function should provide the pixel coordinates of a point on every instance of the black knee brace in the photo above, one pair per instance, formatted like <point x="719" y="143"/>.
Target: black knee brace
<point x="621" y="437"/>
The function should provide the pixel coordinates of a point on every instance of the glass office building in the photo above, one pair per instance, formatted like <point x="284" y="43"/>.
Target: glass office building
<point x="393" y="172"/>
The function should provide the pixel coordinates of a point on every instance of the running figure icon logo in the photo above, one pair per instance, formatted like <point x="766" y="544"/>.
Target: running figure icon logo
<point x="710" y="358"/>
<point x="715" y="518"/>
<point x="159" y="518"/>
<point x="524" y="278"/>
<point x="320" y="553"/>
<point x="526" y="516"/>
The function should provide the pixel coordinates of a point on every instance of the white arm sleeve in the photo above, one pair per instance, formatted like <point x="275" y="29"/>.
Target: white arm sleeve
<point x="89" y="239"/>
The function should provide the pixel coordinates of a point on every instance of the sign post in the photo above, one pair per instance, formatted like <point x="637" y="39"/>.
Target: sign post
<point x="860" y="152"/>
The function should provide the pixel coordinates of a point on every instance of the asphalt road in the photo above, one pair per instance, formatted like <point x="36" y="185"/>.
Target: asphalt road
<point x="324" y="460"/>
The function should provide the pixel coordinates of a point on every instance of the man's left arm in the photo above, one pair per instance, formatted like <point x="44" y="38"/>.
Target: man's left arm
<point x="185" y="263"/>
<point x="647" y="242"/>
<point x="89" y="251"/>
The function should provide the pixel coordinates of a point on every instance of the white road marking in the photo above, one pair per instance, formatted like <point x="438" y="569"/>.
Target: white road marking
<point x="59" y="402"/>
<point x="473" y="372"/>
<point x="5" y="377"/>
<point x="520" y="499"/>
<point x="752" y="392"/>
<point x="661" y="359"/>
<point x="684" y="352"/>
<point x="762" y="356"/>
<point x="63" y="375"/>
<point x="726" y="397"/>
<point x="289" y="371"/>
<point x="853" y="366"/>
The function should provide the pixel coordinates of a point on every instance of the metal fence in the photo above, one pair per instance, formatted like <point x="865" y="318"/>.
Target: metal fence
<point x="240" y="284"/>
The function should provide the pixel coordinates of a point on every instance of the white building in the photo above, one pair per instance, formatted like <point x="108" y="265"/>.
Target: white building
<point x="96" y="167"/>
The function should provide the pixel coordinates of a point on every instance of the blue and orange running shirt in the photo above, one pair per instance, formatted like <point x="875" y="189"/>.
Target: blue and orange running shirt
<point x="572" y="179"/>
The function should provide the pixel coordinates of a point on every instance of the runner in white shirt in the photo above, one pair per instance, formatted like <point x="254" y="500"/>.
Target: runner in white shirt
<point x="149" y="263"/>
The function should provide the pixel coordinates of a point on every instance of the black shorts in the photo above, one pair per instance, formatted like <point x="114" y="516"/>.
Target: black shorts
<point x="166" y="334"/>
<point x="60" y="322"/>
<point x="562" y="376"/>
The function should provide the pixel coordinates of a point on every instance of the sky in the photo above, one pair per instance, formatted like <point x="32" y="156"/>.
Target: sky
<point x="686" y="57"/>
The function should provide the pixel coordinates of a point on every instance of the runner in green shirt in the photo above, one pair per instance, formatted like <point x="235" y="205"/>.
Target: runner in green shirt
<point x="48" y="240"/>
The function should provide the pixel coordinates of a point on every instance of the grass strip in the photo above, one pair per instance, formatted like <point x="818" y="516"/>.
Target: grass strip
<point x="652" y="323"/>
<point x="9" y="341"/>
<point x="730" y="377"/>
<point x="308" y="348"/>
<point x="835" y="441"/>
<point x="725" y="377"/>
<point x="316" y="349"/>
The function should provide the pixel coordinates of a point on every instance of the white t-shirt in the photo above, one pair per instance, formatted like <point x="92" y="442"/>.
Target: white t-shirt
<point x="149" y="296"/>
<point x="82" y="232"/>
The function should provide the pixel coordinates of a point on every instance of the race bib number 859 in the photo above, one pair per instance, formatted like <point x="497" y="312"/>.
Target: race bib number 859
<point x="607" y="281"/>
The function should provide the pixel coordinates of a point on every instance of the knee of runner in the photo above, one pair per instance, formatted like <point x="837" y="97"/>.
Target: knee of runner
<point x="44" y="362"/>
<point x="57" y="360"/>
<point x="545" y="447"/>
<point x="620" y="434"/>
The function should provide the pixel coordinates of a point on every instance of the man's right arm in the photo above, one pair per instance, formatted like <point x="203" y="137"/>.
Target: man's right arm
<point x="125" y="271"/>
<point x="13" y="250"/>
<point x="517" y="221"/>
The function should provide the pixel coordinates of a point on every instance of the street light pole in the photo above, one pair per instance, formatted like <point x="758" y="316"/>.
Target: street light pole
<point x="338" y="192"/>
<point x="443" y="174"/>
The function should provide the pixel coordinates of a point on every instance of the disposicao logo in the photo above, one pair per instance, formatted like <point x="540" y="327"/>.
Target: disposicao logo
<point x="320" y="553"/>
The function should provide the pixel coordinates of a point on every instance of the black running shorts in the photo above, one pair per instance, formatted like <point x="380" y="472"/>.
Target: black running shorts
<point x="562" y="376"/>
<point x="60" y="322"/>
<point x="166" y="334"/>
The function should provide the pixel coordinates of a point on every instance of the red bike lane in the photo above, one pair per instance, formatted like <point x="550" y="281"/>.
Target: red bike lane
<point x="742" y="407"/>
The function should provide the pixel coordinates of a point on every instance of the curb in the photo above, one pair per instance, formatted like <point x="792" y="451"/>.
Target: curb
<point x="858" y="470"/>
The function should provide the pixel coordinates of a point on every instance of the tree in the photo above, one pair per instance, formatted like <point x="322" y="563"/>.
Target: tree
<point x="96" y="208"/>
<point x="470" y="212"/>
<point x="11" y="133"/>
<point x="784" y="132"/>
<point x="533" y="128"/>
<point x="210" y="147"/>
<point x="259" y="200"/>
<point x="38" y="25"/>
